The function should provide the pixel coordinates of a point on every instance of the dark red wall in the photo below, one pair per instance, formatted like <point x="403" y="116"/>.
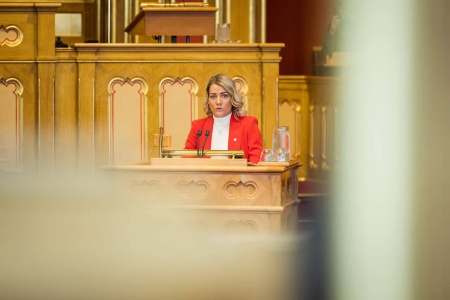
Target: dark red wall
<point x="300" y="25"/>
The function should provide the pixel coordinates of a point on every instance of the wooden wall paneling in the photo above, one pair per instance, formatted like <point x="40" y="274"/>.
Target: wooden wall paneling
<point x="247" y="20"/>
<point x="46" y="29"/>
<point x="154" y="73"/>
<point x="24" y="21"/>
<point x="293" y="91"/>
<point x="260" y="21"/>
<point x="25" y="74"/>
<point x="104" y="73"/>
<point x="66" y="97"/>
<point x="318" y="98"/>
<point x="330" y="106"/>
<point x="324" y="101"/>
<point x="46" y="114"/>
<point x="86" y="114"/>
<point x="11" y="124"/>
<point x="69" y="106"/>
<point x="120" y="22"/>
<point x="178" y="107"/>
<point x="127" y="106"/>
<point x="270" y="81"/>
<point x="289" y="114"/>
<point x="240" y="16"/>
<point x="66" y="115"/>
<point x="21" y="72"/>
<point x="250" y="72"/>
<point x="315" y="133"/>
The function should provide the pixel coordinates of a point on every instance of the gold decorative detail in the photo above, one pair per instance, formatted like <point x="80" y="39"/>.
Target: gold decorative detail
<point x="192" y="189"/>
<point x="10" y="36"/>
<point x="240" y="190"/>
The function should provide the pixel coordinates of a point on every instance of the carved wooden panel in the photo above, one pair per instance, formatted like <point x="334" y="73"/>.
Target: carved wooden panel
<point x="178" y="103"/>
<point x="309" y="105"/>
<point x="245" y="199"/>
<point x="127" y="120"/>
<point x="11" y="123"/>
<point x="10" y="36"/>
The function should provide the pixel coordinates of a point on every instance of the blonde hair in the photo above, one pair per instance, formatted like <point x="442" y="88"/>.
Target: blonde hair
<point x="237" y="105"/>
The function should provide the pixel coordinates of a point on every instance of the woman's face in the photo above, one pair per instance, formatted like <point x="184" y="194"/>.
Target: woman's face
<point x="219" y="101"/>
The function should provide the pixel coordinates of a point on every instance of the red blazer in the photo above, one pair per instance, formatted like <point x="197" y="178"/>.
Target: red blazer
<point x="244" y="135"/>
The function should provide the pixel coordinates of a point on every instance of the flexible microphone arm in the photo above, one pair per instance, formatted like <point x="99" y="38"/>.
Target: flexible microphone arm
<point x="204" y="142"/>
<point x="199" y="134"/>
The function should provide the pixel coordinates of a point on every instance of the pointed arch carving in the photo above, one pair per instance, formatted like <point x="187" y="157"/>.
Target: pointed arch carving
<point x="127" y="106"/>
<point x="178" y="107"/>
<point x="11" y="124"/>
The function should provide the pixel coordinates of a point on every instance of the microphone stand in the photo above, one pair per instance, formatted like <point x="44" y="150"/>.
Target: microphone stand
<point x="199" y="134"/>
<point x="204" y="142"/>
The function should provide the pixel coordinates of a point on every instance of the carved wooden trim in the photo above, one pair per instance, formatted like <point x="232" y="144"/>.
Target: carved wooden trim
<point x="11" y="122"/>
<point x="140" y="116"/>
<point x="10" y="36"/>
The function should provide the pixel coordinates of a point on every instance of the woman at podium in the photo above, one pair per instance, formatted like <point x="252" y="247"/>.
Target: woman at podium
<point x="227" y="126"/>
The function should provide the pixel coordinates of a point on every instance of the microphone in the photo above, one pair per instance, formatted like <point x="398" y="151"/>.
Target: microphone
<point x="204" y="142"/>
<point x="199" y="134"/>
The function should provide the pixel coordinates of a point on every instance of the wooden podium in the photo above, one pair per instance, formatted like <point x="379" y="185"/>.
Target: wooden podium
<point x="225" y="195"/>
<point x="173" y="21"/>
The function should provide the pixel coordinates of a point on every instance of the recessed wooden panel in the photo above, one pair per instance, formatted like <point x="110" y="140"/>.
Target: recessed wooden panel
<point x="127" y="121"/>
<point x="11" y="124"/>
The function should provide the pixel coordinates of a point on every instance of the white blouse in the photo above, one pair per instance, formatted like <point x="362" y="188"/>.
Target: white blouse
<point x="220" y="133"/>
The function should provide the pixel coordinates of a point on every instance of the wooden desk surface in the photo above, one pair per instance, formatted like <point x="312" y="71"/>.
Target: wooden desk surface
<point x="181" y="165"/>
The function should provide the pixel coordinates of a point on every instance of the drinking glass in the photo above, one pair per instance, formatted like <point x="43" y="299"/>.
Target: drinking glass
<point x="267" y="155"/>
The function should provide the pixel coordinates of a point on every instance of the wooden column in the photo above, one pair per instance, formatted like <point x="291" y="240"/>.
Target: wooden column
<point x="86" y="111"/>
<point x="46" y="62"/>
